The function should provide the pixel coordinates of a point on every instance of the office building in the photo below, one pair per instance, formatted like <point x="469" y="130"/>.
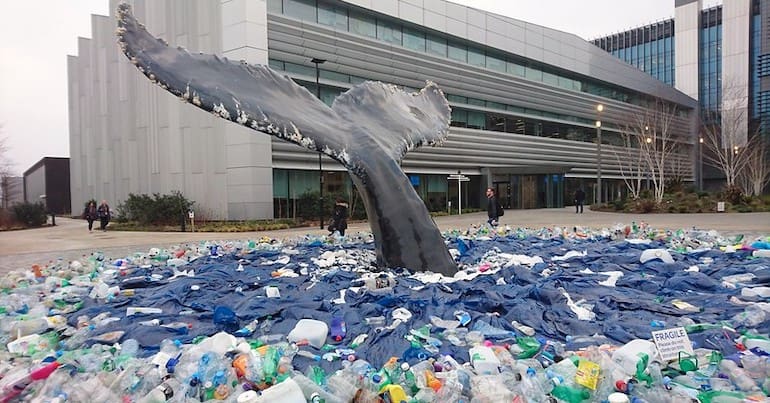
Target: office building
<point x="524" y="100"/>
<point x="718" y="55"/>
<point x="48" y="182"/>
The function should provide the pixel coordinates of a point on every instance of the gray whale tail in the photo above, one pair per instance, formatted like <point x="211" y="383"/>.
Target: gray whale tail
<point x="368" y="129"/>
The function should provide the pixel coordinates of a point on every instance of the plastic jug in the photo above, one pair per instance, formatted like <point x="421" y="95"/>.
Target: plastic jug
<point x="629" y="355"/>
<point x="661" y="254"/>
<point x="314" y="331"/>
<point x="484" y="360"/>
<point x="286" y="392"/>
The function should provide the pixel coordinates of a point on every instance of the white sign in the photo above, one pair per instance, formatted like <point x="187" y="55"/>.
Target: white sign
<point x="191" y="214"/>
<point x="671" y="341"/>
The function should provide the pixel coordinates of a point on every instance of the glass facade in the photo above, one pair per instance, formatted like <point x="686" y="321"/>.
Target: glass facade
<point x="474" y="113"/>
<point x="649" y="48"/>
<point x="710" y="75"/>
<point x="394" y="32"/>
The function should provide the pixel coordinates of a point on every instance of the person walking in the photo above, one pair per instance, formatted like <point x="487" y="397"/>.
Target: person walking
<point x="104" y="214"/>
<point x="580" y="198"/>
<point x="339" y="217"/>
<point x="494" y="211"/>
<point x="90" y="214"/>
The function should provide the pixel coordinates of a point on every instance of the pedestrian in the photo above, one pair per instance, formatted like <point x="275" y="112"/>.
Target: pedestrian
<point x="90" y="214"/>
<point x="104" y="214"/>
<point x="580" y="198"/>
<point x="339" y="217"/>
<point x="494" y="211"/>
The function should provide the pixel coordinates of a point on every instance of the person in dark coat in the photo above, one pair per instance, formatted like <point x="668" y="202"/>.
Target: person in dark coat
<point x="580" y="198"/>
<point x="104" y="215"/>
<point x="339" y="217"/>
<point x="90" y="214"/>
<point x="493" y="207"/>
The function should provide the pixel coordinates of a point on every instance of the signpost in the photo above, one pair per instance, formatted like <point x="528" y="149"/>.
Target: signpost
<point x="191" y="215"/>
<point x="460" y="178"/>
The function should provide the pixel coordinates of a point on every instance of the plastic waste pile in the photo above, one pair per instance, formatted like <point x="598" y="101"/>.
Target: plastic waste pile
<point x="624" y="314"/>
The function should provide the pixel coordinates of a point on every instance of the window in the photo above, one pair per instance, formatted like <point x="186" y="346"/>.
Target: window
<point x="389" y="32"/>
<point x="414" y="39"/>
<point x="275" y="64"/>
<point x="533" y="74"/>
<point x="550" y="79"/>
<point x="300" y="9"/>
<point x="436" y="45"/>
<point x="476" y="57"/>
<point x="457" y="99"/>
<point x="300" y="69"/>
<point x="459" y="118"/>
<point x="333" y="16"/>
<point x="334" y="76"/>
<point x="476" y="120"/>
<point x="363" y="25"/>
<point x="496" y="62"/>
<point x="458" y="52"/>
<point x="477" y="102"/>
<point x="275" y="6"/>
<point x="515" y="69"/>
<point x="495" y="105"/>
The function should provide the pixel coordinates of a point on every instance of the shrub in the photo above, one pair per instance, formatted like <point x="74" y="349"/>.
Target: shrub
<point x="30" y="214"/>
<point x="159" y="209"/>
<point x="646" y="205"/>
<point x="733" y="194"/>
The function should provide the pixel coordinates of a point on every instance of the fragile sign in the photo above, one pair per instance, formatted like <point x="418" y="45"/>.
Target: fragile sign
<point x="671" y="341"/>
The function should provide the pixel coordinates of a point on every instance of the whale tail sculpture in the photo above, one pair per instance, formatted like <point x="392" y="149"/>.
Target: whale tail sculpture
<point x="368" y="129"/>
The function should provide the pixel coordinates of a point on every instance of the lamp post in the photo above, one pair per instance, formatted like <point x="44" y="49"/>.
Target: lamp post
<point x="700" y="163"/>
<point x="318" y="61"/>
<point x="648" y="140"/>
<point x="599" y="109"/>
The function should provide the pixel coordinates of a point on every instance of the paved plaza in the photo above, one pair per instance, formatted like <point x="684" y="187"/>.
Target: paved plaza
<point x="70" y="238"/>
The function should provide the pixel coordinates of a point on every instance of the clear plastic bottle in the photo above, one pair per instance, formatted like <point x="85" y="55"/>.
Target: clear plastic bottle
<point x="738" y="376"/>
<point x="163" y="392"/>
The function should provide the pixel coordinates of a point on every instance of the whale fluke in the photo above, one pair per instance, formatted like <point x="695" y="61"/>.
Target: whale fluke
<point x="368" y="130"/>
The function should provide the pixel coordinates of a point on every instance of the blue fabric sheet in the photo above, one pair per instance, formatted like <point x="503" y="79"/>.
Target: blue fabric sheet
<point x="640" y="301"/>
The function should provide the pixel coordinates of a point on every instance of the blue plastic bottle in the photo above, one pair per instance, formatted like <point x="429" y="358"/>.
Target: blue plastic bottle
<point x="338" y="330"/>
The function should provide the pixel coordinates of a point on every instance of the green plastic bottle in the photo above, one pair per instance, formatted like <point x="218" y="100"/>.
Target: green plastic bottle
<point x="721" y="396"/>
<point x="570" y="395"/>
<point x="529" y="346"/>
<point x="271" y="364"/>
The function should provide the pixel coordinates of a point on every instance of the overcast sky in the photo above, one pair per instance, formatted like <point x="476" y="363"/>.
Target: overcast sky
<point x="37" y="35"/>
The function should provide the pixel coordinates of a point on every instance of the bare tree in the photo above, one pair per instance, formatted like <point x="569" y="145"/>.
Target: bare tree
<point x="10" y="189"/>
<point x="660" y="144"/>
<point x="725" y="134"/>
<point x="632" y="164"/>
<point x="755" y="175"/>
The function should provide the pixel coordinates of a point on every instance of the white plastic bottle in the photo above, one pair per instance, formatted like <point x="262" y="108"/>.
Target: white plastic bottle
<point x="163" y="392"/>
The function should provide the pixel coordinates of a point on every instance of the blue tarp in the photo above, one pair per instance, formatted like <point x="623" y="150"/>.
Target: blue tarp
<point x="640" y="302"/>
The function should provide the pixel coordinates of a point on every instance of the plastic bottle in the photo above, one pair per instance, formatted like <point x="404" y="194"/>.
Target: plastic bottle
<point x="16" y="382"/>
<point x="738" y="376"/>
<point x="163" y="392"/>
<point x="570" y="394"/>
<point x="563" y="372"/>
<point x="484" y="360"/>
<point x="338" y="329"/>
<point x="343" y="385"/>
<point x="33" y="326"/>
